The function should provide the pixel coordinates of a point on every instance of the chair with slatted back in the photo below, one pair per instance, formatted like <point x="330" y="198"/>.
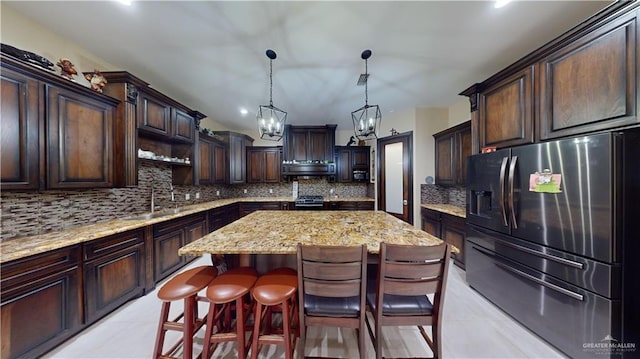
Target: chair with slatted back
<point x="399" y="297"/>
<point x="332" y="289"/>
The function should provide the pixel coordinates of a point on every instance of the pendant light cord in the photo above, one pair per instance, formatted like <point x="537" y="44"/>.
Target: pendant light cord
<point x="271" y="82"/>
<point x="366" y="83"/>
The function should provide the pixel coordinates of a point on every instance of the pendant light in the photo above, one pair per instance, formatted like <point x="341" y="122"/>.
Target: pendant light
<point x="366" y="119"/>
<point x="271" y="119"/>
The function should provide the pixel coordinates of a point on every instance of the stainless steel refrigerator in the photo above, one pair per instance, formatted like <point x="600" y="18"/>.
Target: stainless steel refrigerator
<point x="553" y="239"/>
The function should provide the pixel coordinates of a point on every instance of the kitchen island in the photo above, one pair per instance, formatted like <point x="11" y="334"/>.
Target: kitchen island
<point x="279" y="232"/>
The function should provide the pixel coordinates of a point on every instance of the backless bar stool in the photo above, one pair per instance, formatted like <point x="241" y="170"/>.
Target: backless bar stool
<point x="226" y="290"/>
<point x="276" y="288"/>
<point x="184" y="286"/>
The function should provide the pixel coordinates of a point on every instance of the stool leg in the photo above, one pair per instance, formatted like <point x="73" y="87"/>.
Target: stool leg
<point x="257" y="319"/>
<point x="242" y="349"/>
<point x="206" y="344"/>
<point x="164" y="316"/>
<point x="187" y="328"/>
<point x="286" y="329"/>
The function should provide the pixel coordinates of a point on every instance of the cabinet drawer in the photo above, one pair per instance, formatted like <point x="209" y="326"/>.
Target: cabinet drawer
<point x="112" y="244"/>
<point x="28" y="269"/>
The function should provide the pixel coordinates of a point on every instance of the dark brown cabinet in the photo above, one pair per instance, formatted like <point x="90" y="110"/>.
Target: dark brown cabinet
<point x="250" y="207"/>
<point x="309" y="143"/>
<point x="154" y="115"/>
<point x="212" y="161"/>
<point x="506" y="111"/>
<point x="591" y="84"/>
<point x="452" y="147"/>
<point x="56" y="134"/>
<point x="19" y="146"/>
<point x="114" y="272"/>
<point x="450" y="229"/>
<point x="350" y="159"/>
<point x="235" y="156"/>
<point x="349" y="205"/>
<point x="264" y="164"/>
<point x="41" y="303"/>
<point x="169" y="236"/>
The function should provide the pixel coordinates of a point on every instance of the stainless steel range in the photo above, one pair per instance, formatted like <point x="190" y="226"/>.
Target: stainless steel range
<point x="309" y="202"/>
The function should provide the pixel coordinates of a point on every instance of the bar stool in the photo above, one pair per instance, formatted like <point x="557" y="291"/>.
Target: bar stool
<point x="275" y="289"/>
<point x="184" y="286"/>
<point x="226" y="290"/>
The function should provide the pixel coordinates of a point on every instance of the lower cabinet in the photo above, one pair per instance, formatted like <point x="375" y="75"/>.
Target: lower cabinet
<point x="250" y="207"/>
<point x="41" y="302"/>
<point x="168" y="237"/>
<point x="450" y="229"/>
<point x="349" y="205"/>
<point x="114" y="272"/>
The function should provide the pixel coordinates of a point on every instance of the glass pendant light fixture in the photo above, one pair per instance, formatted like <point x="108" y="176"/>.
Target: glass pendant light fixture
<point x="271" y="119"/>
<point x="366" y="119"/>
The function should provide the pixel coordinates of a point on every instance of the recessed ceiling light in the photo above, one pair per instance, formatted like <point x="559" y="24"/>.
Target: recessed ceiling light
<point x="243" y="111"/>
<point x="125" y="2"/>
<point x="501" y="3"/>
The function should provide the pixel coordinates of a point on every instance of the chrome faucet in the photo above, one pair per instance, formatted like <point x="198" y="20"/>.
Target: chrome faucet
<point x="153" y="194"/>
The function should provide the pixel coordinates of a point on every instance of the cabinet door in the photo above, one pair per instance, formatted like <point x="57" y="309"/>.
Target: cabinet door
<point x="463" y="149"/>
<point x="183" y="125"/>
<point x="272" y="165"/>
<point x="237" y="160"/>
<point x="299" y="147"/>
<point x="431" y="222"/>
<point x="255" y="163"/>
<point x="591" y="84"/>
<point x="80" y="140"/>
<point x="154" y="116"/>
<point x="41" y="304"/>
<point x="19" y="147"/>
<point x="194" y="231"/>
<point x="166" y="258"/>
<point x="114" y="274"/>
<point x="445" y="159"/>
<point x="219" y="163"/>
<point x="360" y="157"/>
<point x="343" y="163"/>
<point x="318" y="145"/>
<point x="205" y="149"/>
<point x="453" y="232"/>
<point x="506" y="111"/>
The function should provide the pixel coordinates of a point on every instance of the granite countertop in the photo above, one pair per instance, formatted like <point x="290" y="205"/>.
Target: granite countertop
<point x="16" y="248"/>
<point x="448" y="209"/>
<point x="268" y="232"/>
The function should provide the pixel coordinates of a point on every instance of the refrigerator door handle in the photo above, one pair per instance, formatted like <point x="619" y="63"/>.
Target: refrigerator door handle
<point x="541" y="282"/>
<point x="503" y="173"/>
<point x="512" y="171"/>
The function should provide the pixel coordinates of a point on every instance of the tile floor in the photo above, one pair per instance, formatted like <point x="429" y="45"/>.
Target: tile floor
<point x="472" y="328"/>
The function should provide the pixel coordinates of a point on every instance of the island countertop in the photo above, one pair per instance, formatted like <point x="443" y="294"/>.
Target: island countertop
<point x="279" y="232"/>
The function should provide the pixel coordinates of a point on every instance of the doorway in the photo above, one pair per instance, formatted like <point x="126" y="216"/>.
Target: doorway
<point x="395" y="175"/>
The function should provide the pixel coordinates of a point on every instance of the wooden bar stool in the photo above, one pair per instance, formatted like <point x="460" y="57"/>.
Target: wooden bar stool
<point x="276" y="288"/>
<point x="227" y="290"/>
<point x="184" y="286"/>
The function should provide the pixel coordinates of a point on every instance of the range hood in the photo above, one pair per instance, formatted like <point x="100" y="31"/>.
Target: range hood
<point x="308" y="168"/>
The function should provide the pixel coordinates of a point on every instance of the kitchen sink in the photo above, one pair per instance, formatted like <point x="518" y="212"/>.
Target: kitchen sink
<point x="152" y="215"/>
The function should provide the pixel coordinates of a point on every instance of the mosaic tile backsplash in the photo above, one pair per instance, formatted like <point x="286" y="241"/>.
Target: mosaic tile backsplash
<point x="434" y="194"/>
<point x="30" y="213"/>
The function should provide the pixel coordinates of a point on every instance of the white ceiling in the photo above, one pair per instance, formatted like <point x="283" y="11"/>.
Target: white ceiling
<point x="211" y="55"/>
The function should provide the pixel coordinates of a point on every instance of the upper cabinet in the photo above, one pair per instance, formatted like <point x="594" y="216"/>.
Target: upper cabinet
<point x="583" y="81"/>
<point x="309" y="143"/>
<point x="591" y="84"/>
<point x="352" y="163"/>
<point x="264" y="164"/>
<point x="212" y="161"/>
<point x="236" y="155"/>
<point x="78" y="147"/>
<point x="506" y="111"/>
<point x="152" y="121"/>
<point x="452" y="147"/>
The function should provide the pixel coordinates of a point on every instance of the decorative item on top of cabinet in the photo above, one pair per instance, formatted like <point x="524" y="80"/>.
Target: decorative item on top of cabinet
<point x="41" y="305"/>
<point x="264" y="164"/>
<point x="591" y="84"/>
<point x="68" y="160"/>
<point x="67" y="69"/>
<point x="452" y="147"/>
<point x="236" y="155"/>
<point x="96" y="80"/>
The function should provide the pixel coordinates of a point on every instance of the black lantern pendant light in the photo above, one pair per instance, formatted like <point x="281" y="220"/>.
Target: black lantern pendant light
<point x="271" y="119"/>
<point x="366" y="119"/>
